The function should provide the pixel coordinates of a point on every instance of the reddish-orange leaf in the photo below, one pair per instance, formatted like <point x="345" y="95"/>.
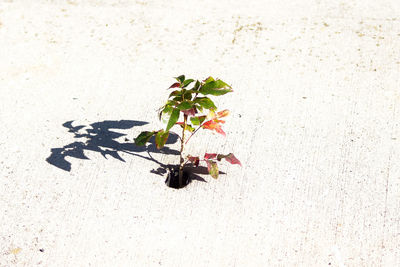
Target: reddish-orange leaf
<point x="220" y="131"/>
<point x="223" y="113"/>
<point x="214" y="125"/>
<point x="210" y="125"/>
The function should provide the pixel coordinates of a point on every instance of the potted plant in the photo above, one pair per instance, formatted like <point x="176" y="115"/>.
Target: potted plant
<point x="198" y="112"/>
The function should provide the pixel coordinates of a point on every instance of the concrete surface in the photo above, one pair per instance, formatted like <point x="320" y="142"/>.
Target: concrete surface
<point x="315" y="122"/>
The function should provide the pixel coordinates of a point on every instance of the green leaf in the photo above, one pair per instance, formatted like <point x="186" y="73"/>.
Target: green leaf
<point x="196" y="86"/>
<point x="221" y="156"/>
<point x="169" y="105"/>
<point x="177" y="98"/>
<point x="205" y="102"/>
<point x="173" y="119"/>
<point x="180" y="78"/>
<point x="216" y="88"/>
<point x="187" y="82"/>
<point x="189" y="128"/>
<point x="197" y="120"/>
<point x="161" y="138"/>
<point x="209" y="79"/>
<point x="212" y="168"/>
<point x="143" y="138"/>
<point x="222" y="84"/>
<point x="199" y="108"/>
<point x="167" y="109"/>
<point x="185" y="105"/>
<point x="188" y="95"/>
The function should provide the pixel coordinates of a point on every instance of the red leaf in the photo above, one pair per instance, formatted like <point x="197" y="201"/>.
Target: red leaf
<point x="189" y="112"/>
<point x="232" y="159"/>
<point x="208" y="165"/>
<point x="175" y="85"/>
<point x="210" y="156"/>
<point x="194" y="160"/>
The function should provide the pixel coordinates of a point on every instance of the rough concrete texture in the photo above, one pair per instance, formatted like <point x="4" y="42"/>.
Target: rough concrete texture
<point x="315" y="122"/>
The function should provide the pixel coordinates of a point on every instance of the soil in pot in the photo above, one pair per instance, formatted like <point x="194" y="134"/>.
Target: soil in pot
<point x="173" y="178"/>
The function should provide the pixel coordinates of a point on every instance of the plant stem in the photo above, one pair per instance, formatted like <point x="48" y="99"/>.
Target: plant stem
<point x="181" y="164"/>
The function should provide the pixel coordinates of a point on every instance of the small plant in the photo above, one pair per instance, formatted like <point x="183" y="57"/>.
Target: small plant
<point x="199" y="112"/>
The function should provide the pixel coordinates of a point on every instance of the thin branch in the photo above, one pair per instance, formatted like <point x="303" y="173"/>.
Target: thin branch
<point x="194" y="133"/>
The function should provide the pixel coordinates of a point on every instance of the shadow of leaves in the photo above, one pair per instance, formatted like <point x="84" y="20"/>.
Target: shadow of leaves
<point x="103" y="137"/>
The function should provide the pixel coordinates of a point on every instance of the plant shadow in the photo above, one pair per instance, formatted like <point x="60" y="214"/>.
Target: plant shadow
<point x="103" y="137"/>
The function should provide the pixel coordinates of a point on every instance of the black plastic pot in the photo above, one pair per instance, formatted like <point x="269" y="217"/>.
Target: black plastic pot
<point x="172" y="179"/>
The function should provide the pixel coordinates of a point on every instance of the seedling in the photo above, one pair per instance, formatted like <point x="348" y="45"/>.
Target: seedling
<point x="198" y="112"/>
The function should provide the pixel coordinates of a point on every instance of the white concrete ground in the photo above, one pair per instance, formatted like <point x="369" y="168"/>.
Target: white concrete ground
<point x="315" y="122"/>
